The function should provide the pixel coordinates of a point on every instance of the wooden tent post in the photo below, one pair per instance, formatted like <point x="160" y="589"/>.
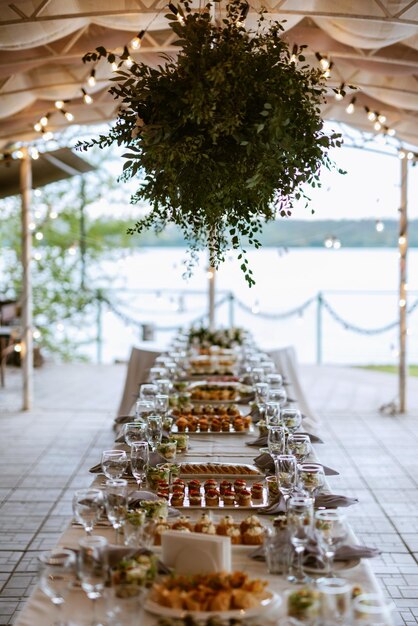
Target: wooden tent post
<point x="403" y="250"/>
<point x="26" y="303"/>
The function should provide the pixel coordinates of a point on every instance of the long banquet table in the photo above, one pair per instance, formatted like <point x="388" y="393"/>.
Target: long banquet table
<point x="39" y="610"/>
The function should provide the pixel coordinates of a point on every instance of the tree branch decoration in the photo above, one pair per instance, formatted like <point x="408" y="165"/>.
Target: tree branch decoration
<point x="223" y="137"/>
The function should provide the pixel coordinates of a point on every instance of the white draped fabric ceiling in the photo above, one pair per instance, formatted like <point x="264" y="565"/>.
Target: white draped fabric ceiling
<point x="373" y="44"/>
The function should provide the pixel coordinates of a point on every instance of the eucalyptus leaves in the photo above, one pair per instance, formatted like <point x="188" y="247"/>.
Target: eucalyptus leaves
<point x="222" y="138"/>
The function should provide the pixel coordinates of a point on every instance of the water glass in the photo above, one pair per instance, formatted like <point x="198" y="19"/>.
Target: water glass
<point x="331" y="532"/>
<point x="299" y="445"/>
<point x="272" y="488"/>
<point x="139" y="461"/>
<point x="134" y="431"/>
<point x="116" y="503"/>
<point x="299" y="523"/>
<point x="114" y="463"/>
<point x="154" y="431"/>
<point x="164" y="386"/>
<point x="277" y="555"/>
<point x="257" y="375"/>
<point x="370" y="609"/>
<point x="161" y="404"/>
<point x="274" y="381"/>
<point x="261" y="393"/>
<point x="157" y="372"/>
<point x="311" y="478"/>
<point x="292" y="419"/>
<point x="56" y="576"/>
<point x="335" y="601"/>
<point x="278" y="395"/>
<point x="272" y="414"/>
<point x="143" y="408"/>
<point x="93" y="569"/>
<point x="148" y="392"/>
<point x="276" y="441"/>
<point x="286" y="472"/>
<point x="87" y="507"/>
<point x="268" y="367"/>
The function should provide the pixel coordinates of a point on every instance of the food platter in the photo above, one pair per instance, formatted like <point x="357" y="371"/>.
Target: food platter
<point x="164" y="611"/>
<point x="221" y="506"/>
<point x="231" y="431"/>
<point x="219" y="470"/>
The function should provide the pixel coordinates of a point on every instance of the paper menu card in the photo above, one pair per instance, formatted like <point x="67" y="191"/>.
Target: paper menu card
<point x="195" y="553"/>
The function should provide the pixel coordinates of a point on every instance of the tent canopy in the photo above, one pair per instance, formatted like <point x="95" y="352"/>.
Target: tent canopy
<point x="49" y="167"/>
<point x="372" y="44"/>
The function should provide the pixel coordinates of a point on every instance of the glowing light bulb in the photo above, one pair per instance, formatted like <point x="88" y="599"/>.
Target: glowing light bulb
<point x="36" y="334"/>
<point x="129" y="62"/>
<point x="339" y="96"/>
<point x="402" y="154"/>
<point x="377" y="126"/>
<point x="86" y="97"/>
<point x="32" y="226"/>
<point x="402" y="303"/>
<point x="69" y="116"/>
<point x="336" y="244"/>
<point x="37" y="127"/>
<point x="44" y="120"/>
<point x="371" y="115"/>
<point x="410" y="156"/>
<point x="39" y="236"/>
<point x="324" y="63"/>
<point x="328" y="242"/>
<point x="34" y="154"/>
<point x="402" y="240"/>
<point x="18" y="347"/>
<point x="350" y="108"/>
<point x="92" y="78"/>
<point x="114" y="66"/>
<point x="380" y="227"/>
<point x="381" y="118"/>
<point x="391" y="132"/>
<point x="59" y="104"/>
<point x="37" y="256"/>
<point x="48" y="135"/>
<point x="53" y="215"/>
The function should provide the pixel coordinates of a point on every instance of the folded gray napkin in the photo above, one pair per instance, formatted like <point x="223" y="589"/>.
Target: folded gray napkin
<point x="312" y="558"/>
<point x="265" y="462"/>
<point x="261" y="441"/>
<point x="136" y="497"/>
<point x="276" y="507"/>
<point x="324" y="500"/>
<point x="123" y="419"/>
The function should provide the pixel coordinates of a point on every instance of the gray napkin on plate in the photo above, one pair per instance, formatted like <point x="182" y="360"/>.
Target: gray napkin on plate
<point x="327" y="500"/>
<point x="261" y="441"/>
<point x="343" y="553"/>
<point x="136" y="497"/>
<point x="274" y="508"/>
<point x="154" y="459"/>
<point x="265" y="462"/>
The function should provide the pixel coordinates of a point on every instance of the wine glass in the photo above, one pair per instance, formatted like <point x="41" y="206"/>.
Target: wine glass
<point x="87" y="507"/>
<point x="257" y="375"/>
<point x="331" y="533"/>
<point x="276" y="443"/>
<point x="268" y="367"/>
<point x="278" y="395"/>
<point x="148" y="392"/>
<point x="93" y="569"/>
<point x="116" y="503"/>
<point x="272" y="414"/>
<point x="143" y="408"/>
<point x="114" y="463"/>
<point x="292" y="419"/>
<point x="300" y="445"/>
<point x="299" y="523"/>
<point x="286" y="472"/>
<point x="311" y="477"/>
<point x="154" y="431"/>
<point x="139" y="461"/>
<point x="261" y="396"/>
<point x="371" y="609"/>
<point x="161" y="404"/>
<point x="274" y="381"/>
<point x="133" y="432"/>
<point x="164" y="386"/>
<point x="56" y="575"/>
<point x="156" y="372"/>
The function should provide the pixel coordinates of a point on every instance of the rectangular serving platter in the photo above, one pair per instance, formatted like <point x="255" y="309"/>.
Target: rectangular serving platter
<point x="246" y="431"/>
<point x="257" y="504"/>
<point x="215" y="472"/>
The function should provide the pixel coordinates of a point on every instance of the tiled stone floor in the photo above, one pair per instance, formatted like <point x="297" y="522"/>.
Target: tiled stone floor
<point x="45" y="454"/>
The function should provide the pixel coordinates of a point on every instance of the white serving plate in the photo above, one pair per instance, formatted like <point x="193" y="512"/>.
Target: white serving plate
<point x="336" y="566"/>
<point x="215" y="474"/>
<point x="163" y="611"/>
<point x="246" y="431"/>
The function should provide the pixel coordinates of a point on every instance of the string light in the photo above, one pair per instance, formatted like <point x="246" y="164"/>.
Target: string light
<point x="18" y="154"/>
<point x="72" y="250"/>
<point x="47" y="135"/>
<point x="340" y="93"/>
<point x="39" y="236"/>
<point x="293" y="57"/>
<point x="37" y="127"/>
<point x="380" y="227"/>
<point x="137" y="41"/>
<point x="328" y="242"/>
<point x="59" y="104"/>
<point x="371" y="115"/>
<point x="129" y="62"/>
<point x="18" y="347"/>
<point x="402" y="240"/>
<point x="327" y="73"/>
<point x="377" y="126"/>
<point x="381" y="118"/>
<point x="44" y="120"/>
<point x="402" y="154"/>
<point x="37" y="256"/>
<point x="53" y="215"/>
<point x="86" y="97"/>
<point x="351" y="107"/>
<point x="32" y="226"/>
<point x="332" y="242"/>
<point x="210" y="274"/>
<point x="34" y="153"/>
<point x="36" y="334"/>
<point x="114" y="66"/>
<point x="92" y="78"/>
<point x="391" y="132"/>
<point x="402" y="303"/>
<point x="68" y="116"/>
<point x="255" y="309"/>
<point x="410" y="156"/>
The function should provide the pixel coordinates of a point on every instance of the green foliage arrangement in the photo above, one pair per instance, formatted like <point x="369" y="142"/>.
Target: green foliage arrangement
<point x="224" y="136"/>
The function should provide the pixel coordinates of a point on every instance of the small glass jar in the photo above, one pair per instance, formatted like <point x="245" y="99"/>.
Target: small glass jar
<point x="272" y="488"/>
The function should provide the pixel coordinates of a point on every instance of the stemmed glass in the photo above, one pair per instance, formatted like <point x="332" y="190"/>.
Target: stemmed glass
<point x="114" y="463"/>
<point x="261" y="396"/>
<point x="116" y="503"/>
<point x="292" y="419"/>
<point x="139" y="461"/>
<point x="331" y="533"/>
<point x="257" y="375"/>
<point x="311" y="477"/>
<point x="274" y="381"/>
<point x="148" y="392"/>
<point x="161" y="404"/>
<point x="164" y="386"/>
<point x="299" y="523"/>
<point x="154" y="431"/>
<point x="286" y="472"/>
<point x="278" y="395"/>
<point x="87" y="507"/>
<point x="272" y="414"/>
<point x="133" y="432"/>
<point x="93" y="569"/>
<point x="143" y="408"/>
<point x="300" y="445"/>
<point x="57" y="573"/>
<point x="157" y="372"/>
<point x="276" y="443"/>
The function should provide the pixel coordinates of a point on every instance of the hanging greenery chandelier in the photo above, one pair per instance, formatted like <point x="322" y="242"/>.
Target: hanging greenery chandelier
<point x="223" y="137"/>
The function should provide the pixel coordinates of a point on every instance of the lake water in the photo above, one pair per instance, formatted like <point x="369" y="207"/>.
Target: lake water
<point x="360" y="285"/>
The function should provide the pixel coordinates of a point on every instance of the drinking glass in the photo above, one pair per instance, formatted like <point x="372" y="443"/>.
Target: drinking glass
<point x="335" y="601"/>
<point x="261" y="393"/>
<point x="331" y="533"/>
<point x="143" y="408"/>
<point x="157" y="372"/>
<point x="93" y="569"/>
<point x="286" y="472"/>
<point x="257" y="375"/>
<point x="370" y="609"/>
<point x="268" y="367"/>
<point x="299" y="523"/>
<point x="154" y="431"/>
<point x="56" y="574"/>
<point x="139" y="461"/>
<point x="292" y="419"/>
<point x="311" y="477"/>
<point x="276" y="443"/>
<point x="274" y="381"/>
<point x="161" y="404"/>
<point x="299" y="445"/>
<point x="272" y="414"/>
<point x="116" y="503"/>
<point x="278" y="395"/>
<point x="148" y="392"/>
<point x="87" y="507"/>
<point x="114" y="463"/>
<point x="164" y="386"/>
<point x="133" y="432"/>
